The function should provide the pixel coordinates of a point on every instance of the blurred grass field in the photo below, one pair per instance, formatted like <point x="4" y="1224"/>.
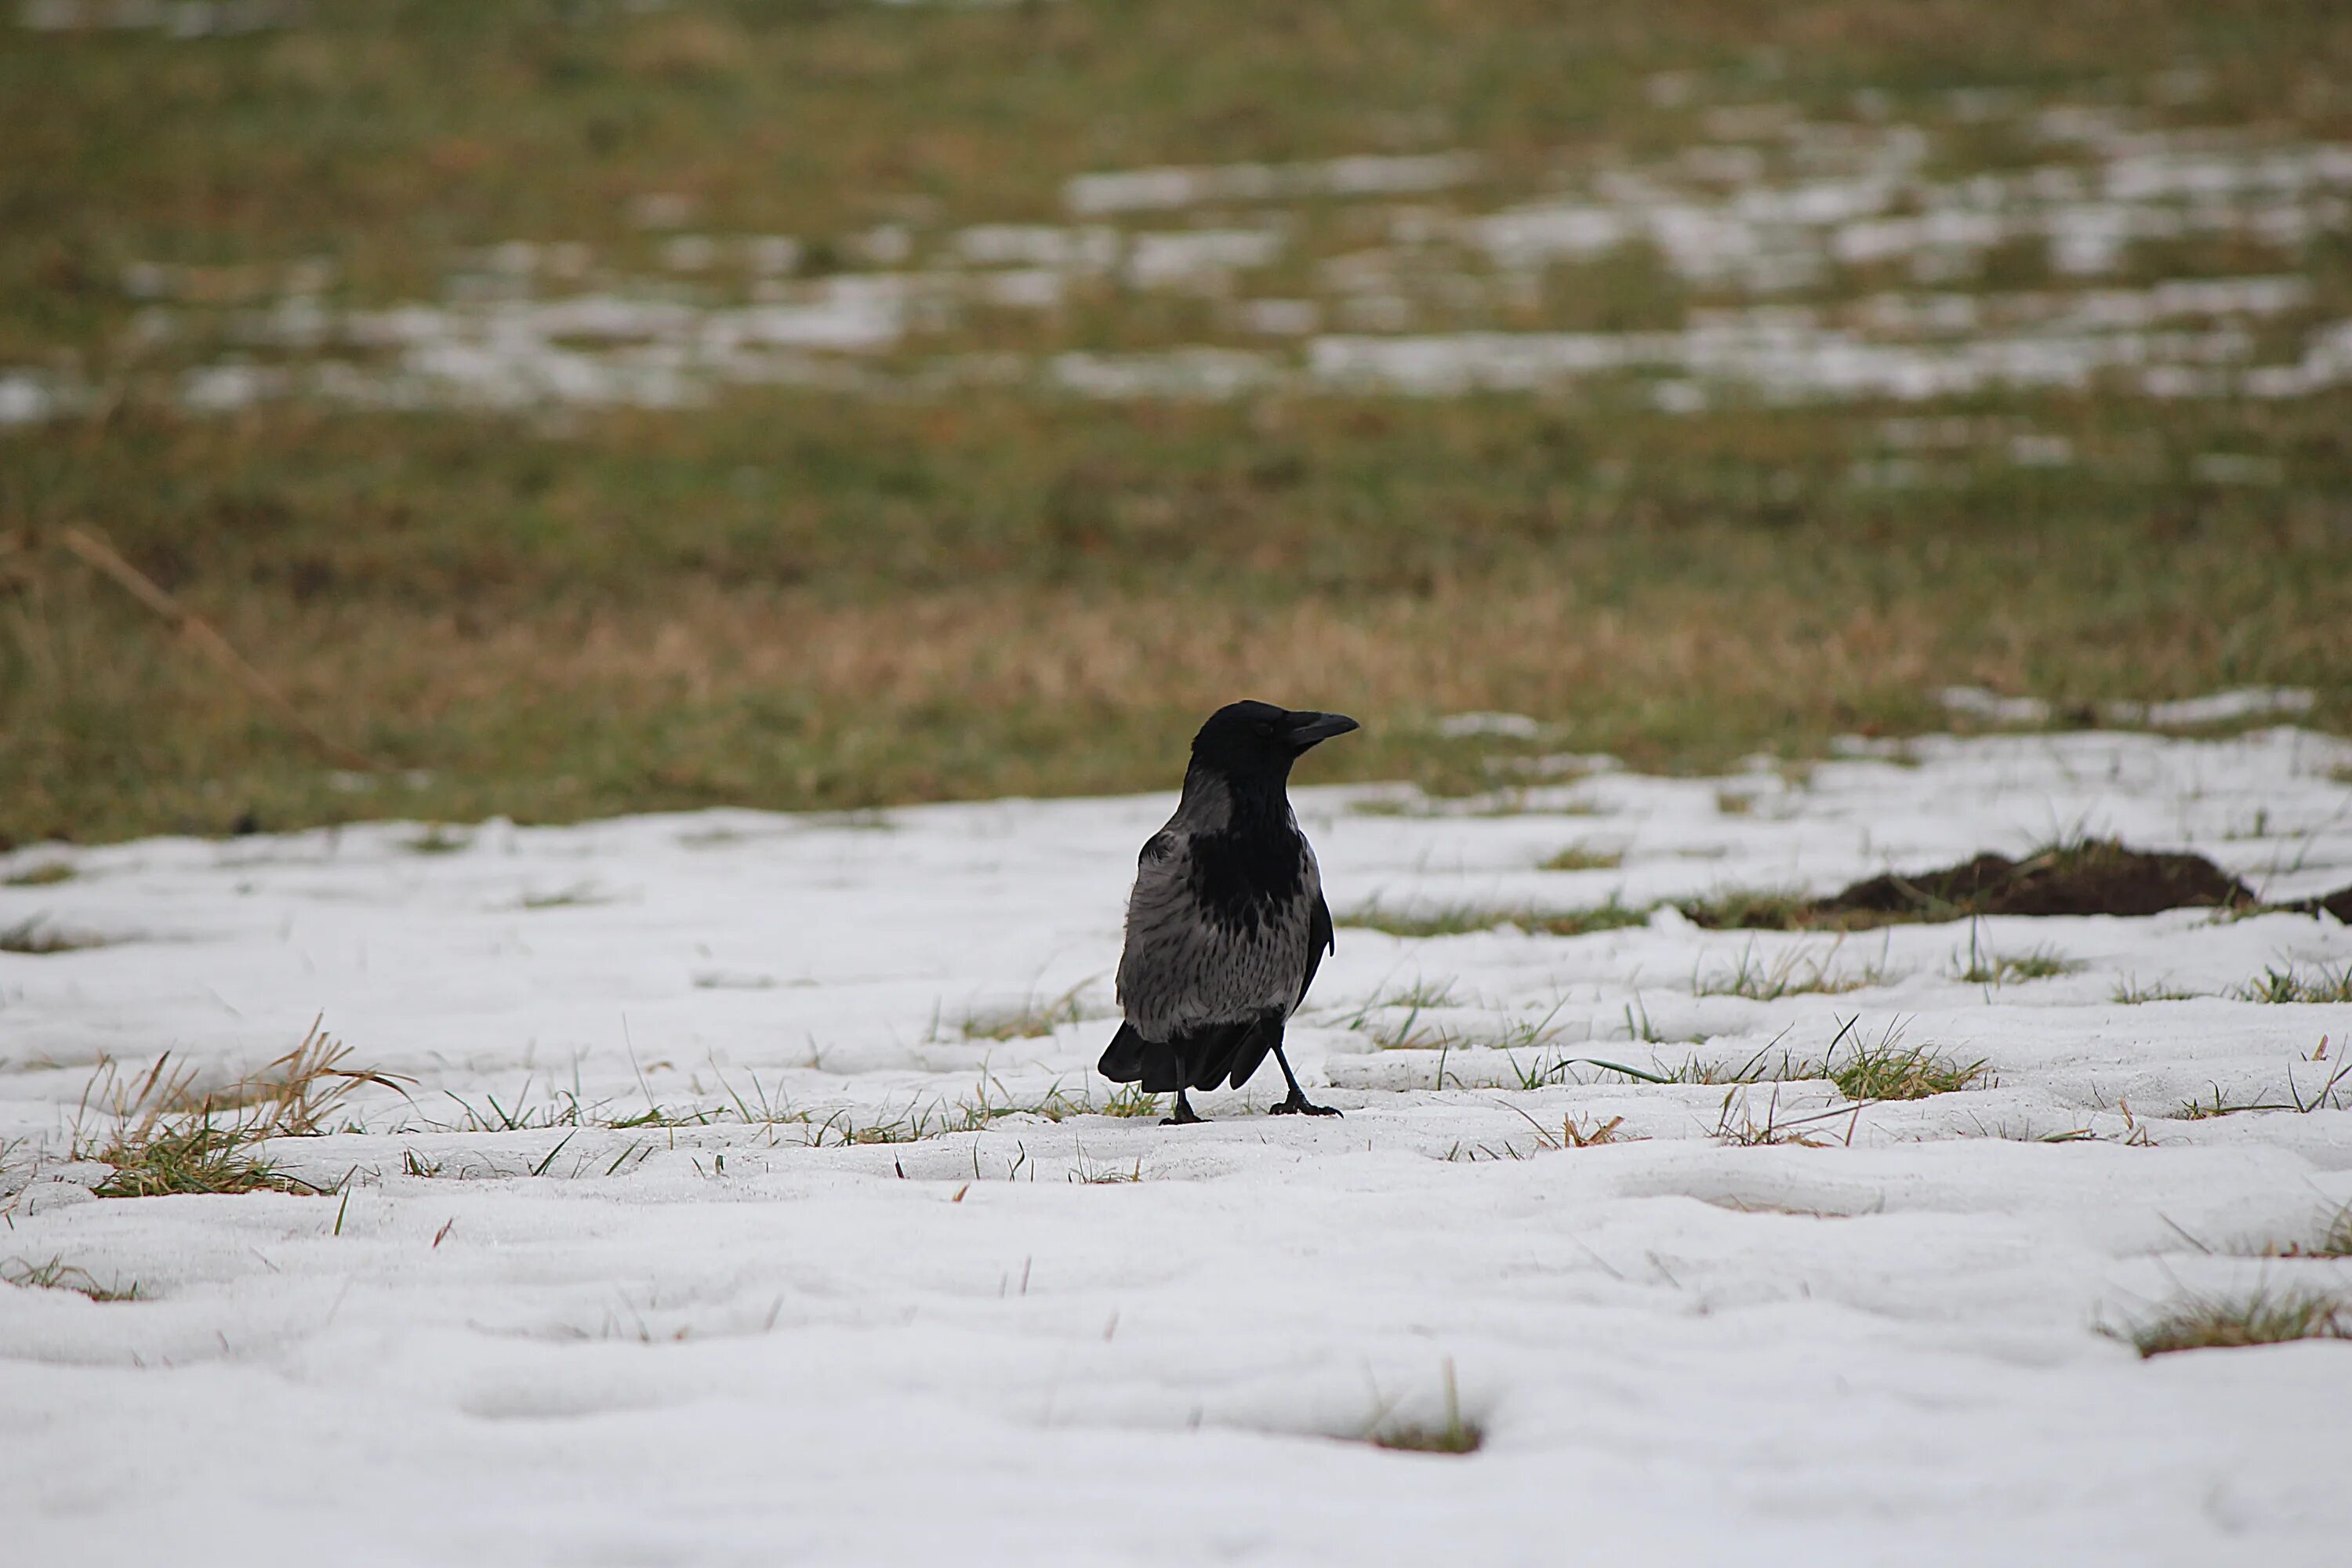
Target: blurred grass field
<point x="805" y="596"/>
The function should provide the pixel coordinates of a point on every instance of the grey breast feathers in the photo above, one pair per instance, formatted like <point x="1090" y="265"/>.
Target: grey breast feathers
<point x="1182" y="969"/>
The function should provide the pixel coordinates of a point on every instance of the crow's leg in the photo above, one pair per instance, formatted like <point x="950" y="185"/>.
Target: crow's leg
<point x="1185" y="1115"/>
<point x="1297" y="1104"/>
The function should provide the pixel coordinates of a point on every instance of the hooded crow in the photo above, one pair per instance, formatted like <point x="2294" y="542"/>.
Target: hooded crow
<point x="1227" y="924"/>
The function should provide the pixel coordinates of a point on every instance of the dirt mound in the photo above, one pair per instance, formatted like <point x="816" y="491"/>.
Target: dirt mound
<point x="2097" y="877"/>
<point x="2337" y="903"/>
<point x="2100" y="877"/>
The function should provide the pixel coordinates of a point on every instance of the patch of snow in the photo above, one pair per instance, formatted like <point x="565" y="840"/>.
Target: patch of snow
<point x="26" y="398"/>
<point x="1203" y="373"/>
<point x="743" y="1323"/>
<point x="1161" y="189"/>
<point x="1516" y="726"/>
<point x="2221" y="708"/>
<point x="1092" y="248"/>
<point x="1281" y="318"/>
<point x="1198" y="258"/>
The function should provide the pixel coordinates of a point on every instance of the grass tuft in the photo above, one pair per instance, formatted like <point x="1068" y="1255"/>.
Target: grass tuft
<point x="578" y="895"/>
<point x="1748" y="1132"/>
<point x="2328" y="1095"/>
<point x="1030" y="1020"/>
<point x="1610" y="916"/>
<point x="1796" y="973"/>
<point x="1451" y="922"/>
<point x="1592" y="1134"/>
<point x="2001" y="969"/>
<point x="2264" y="1317"/>
<point x="1577" y="857"/>
<point x="1455" y="1436"/>
<point x="58" y="1275"/>
<point x="37" y="936"/>
<point x="1891" y="1071"/>
<point x="46" y="875"/>
<point x="166" y="1139"/>
<point x="2333" y="1240"/>
<point x="1131" y="1099"/>
<point x="1086" y="1173"/>
<point x="2130" y="993"/>
<point x="2291" y="984"/>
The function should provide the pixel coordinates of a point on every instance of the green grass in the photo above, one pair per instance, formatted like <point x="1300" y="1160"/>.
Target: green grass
<point x="1578" y="857"/>
<point x="828" y="603"/>
<point x="1130" y="1099"/>
<point x="57" y="1274"/>
<point x="1892" y="1071"/>
<point x="188" y="1154"/>
<point x="2266" y="1315"/>
<point x="2293" y="984"/>
<point x="47" y="874"/>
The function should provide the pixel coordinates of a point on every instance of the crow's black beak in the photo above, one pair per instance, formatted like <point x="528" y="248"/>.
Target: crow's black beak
<point x="1311" y="729"/>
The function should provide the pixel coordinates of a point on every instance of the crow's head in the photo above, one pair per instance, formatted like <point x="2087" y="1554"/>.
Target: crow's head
<point x="1257" y="739"/>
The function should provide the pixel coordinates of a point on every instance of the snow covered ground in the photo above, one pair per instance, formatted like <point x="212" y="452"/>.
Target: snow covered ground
<point x="648" y="1267"/>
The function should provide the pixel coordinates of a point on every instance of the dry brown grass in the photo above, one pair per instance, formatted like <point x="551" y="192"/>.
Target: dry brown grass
<point x="1456" y="646"/>
<point x="1051" y="690"/>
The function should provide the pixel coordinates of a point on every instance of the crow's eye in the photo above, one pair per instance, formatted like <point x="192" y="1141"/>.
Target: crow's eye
<point x="1265" y="728"/>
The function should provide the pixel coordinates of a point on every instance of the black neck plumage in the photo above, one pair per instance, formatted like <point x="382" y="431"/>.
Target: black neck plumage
<point x="1253" y="867"/>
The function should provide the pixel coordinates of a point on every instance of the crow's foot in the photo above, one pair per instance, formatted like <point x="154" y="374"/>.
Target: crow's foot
<point x="1299" y="1105"/>
<point x="1185" y="1115"/>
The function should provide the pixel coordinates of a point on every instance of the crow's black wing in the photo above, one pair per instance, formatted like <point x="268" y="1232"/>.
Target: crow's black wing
<point x="1320" y="939"/>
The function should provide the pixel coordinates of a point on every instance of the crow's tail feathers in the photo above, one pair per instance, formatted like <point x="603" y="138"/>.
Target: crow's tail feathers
<point x="1262" y="1036"/>
<point x="1201" y="1057"/>
<point x="1122" y="1060"/>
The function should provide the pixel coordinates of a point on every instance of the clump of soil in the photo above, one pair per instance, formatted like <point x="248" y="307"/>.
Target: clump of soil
<point x="2099" y="877"/>
<point x="2337" y="903"/>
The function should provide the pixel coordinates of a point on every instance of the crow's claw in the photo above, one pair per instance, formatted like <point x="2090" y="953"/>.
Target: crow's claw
<point x="1299" y="1105"/>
